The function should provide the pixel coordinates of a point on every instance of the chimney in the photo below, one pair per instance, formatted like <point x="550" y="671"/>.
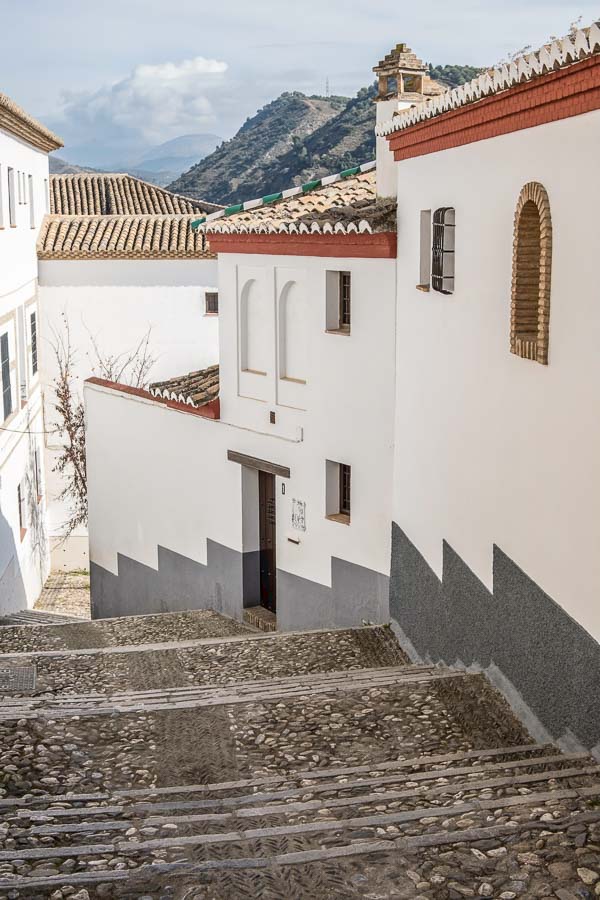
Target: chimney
<point x="402" y="82"/>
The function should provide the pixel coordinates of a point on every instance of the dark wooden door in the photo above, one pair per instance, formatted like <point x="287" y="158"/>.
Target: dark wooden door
<point x="268" y="540"/>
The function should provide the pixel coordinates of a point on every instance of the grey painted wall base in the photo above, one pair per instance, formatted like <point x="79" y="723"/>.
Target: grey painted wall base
<point x="229" y="581"/>
<point x="546" y="663"/>
<point x="179" y="583"/>
<point x="357" y="595"/>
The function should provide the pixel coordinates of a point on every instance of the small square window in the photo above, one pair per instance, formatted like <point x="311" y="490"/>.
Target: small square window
<point x="338" y="491"/>
<point x="212" y="303"/>
<point x="339" y="302"/>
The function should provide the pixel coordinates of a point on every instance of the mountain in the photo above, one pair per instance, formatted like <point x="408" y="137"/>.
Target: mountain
<point x="244" y="165"/>
<point x="59" y="166"/>
<point x="178" y="154"/>
<point x="292" y="140"/>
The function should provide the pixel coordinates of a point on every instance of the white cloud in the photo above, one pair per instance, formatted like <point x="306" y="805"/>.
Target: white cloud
<point x="151" y="105"/>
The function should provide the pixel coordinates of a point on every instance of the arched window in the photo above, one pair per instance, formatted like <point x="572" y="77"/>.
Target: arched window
<point x="292" y="334"/>
<point x="253" y="330"/>
<point x="532" y="265"/>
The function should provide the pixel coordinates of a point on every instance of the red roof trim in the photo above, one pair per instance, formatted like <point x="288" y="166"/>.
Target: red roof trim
<point x="369" y="246"/>
<point x="556" y="95"/>
<point x="211" y="410"/>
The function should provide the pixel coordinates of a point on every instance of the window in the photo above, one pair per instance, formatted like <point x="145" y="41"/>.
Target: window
<point x="12" y="212"/>
<point x="22" y="510"/>
<point x="31" y="206"/>
<point x="338" y="491"/>
<point x="425" y="251"/>
<point x="338" y="302"/>
<point x="345" y="489"/>
<point x="6" y="386"/>
<point x="34" y="355"/>
<point x="532" y="264"/>
<point x="212" y="303"/>
<point x="442" y="253"/>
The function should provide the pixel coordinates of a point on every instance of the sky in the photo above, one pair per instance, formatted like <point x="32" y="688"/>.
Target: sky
<point x="115" y="77"/>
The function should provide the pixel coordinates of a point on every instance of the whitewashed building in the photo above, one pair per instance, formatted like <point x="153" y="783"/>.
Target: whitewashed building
<point x="24" y="557"/>
<point x="118" y="261"/>
<point x="282" y="498"/>
<point x="496" y="494"/>
<point x="460" y="409"/>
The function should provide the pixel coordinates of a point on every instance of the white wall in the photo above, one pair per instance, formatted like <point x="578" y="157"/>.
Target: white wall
<point x="167" y="481"/>
<point x="24" y="557"/>
<point x="343" y="412"/>
<point x="491" y="448"/>
<point x="115" y="303"/>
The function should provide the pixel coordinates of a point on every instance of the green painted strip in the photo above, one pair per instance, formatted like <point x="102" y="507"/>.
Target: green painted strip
<point x="347" y="173"/>
<point x="233" y="209"/>
<point x="197" y="223"/>
<point x="311" y="185"/>
<point x="271" y="198"/>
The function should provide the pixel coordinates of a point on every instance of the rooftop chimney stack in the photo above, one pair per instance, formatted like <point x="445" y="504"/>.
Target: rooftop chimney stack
<point x="403" y="81"/>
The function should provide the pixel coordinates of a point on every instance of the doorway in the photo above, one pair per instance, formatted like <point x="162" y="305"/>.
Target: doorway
<point x="267" y="540"/>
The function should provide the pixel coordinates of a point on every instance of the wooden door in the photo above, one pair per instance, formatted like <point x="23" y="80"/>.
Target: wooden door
<point x="268" y="540"/>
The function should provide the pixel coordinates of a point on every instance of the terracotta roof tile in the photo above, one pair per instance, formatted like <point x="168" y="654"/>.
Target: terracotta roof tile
<point x="195" y="389"/>
<point x="121" y="237"/>
<point x="16" y="121"/>
<point x="91" y="194"/>
<point x="343" y="206"/>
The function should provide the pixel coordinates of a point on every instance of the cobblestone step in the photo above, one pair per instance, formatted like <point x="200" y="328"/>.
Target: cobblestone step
<point x="424" y="826"/>
<point x="240" y="692"/>
<point x="34" y="617"/>
<point x="71" y="633"/>
<point x="351" y="795"/>
<point x="420" y="768"/>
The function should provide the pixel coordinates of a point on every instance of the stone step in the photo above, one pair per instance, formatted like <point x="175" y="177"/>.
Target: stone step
<point x="538" y="809"/>
<point x="239" y="692"/>
<point x="37" y="617"/>
<point x="375" y="676"/>
<point x="392" y="848"/>
<point x="462" y="762"/>
<point x="290" y="807"/>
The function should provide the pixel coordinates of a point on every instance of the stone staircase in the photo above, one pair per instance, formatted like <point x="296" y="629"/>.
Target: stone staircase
<point x="317" y="765"/>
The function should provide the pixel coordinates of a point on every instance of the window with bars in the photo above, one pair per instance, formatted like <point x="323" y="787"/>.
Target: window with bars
<point x="212" y="303"/>
<point x="345" y="300"/>
<point x="338" y="491"/>
<point x="338" y="302"/>
<point x="6" y="386"/>
<point x="345" y="478"/>
<point x="34" y="352"/>
<point x="442" y="253"/>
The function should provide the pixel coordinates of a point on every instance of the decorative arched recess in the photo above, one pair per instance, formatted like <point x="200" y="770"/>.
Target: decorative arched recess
<point x="292" y="333"/>
<point x="531" y="274"/>
<point x="252" y="339"/>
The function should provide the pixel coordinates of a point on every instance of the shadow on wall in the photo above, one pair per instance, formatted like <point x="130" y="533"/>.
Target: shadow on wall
<point x="13" y="582"/>
<point x="13" y="596"/>
<point x="550" y="661"/>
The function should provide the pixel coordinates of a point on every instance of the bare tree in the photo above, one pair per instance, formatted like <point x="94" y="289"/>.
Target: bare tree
<point x="130" y="367"/>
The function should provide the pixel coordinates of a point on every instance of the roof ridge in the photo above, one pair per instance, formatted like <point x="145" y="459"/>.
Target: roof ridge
<point x="117" y="215"/>
<point x="25" y="126"/>
<point x="112" y="179"/>
<point x="267" y="199"/>
<point x="555" y="54"/>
